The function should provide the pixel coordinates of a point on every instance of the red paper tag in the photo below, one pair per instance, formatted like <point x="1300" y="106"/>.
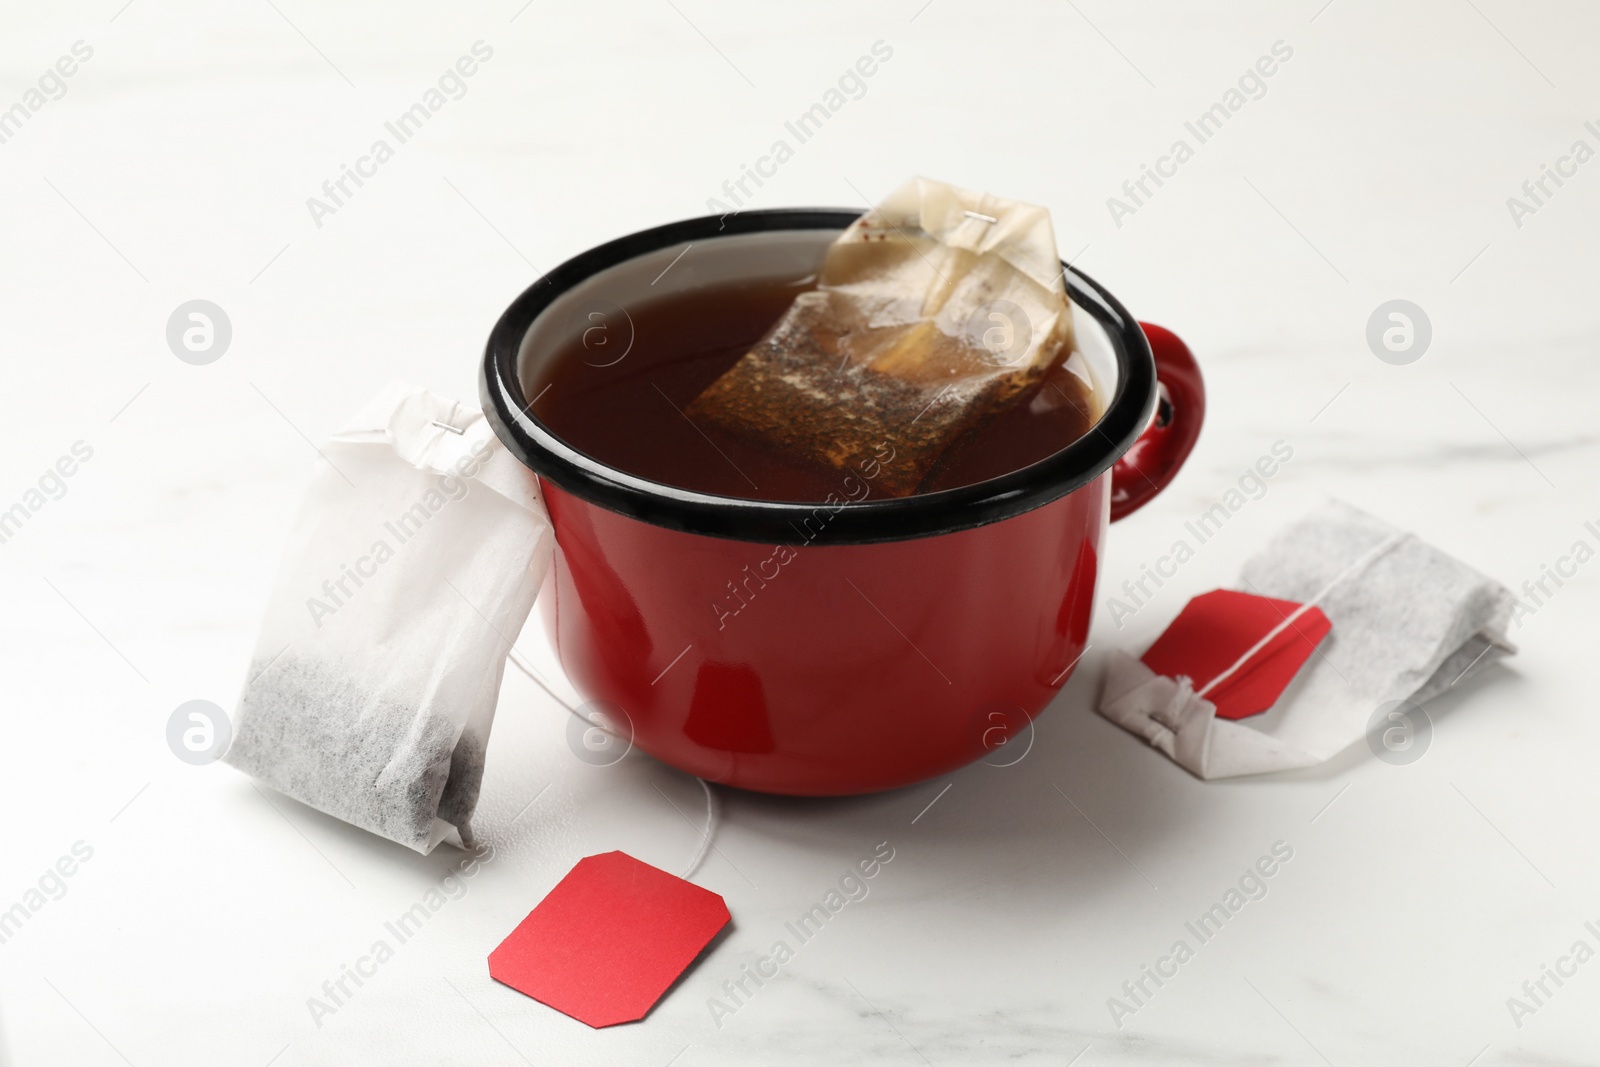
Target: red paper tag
<point x="1216" y="628"/>
<point x="609" y="939"/>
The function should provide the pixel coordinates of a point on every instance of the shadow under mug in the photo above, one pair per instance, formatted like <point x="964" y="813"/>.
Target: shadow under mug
<point x="825" y="649"/>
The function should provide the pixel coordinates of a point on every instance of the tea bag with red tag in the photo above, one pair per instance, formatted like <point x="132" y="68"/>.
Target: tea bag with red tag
<point x="1349" y="626"/>
<point x="933" y="313"/>
<point x="412" y="566"/>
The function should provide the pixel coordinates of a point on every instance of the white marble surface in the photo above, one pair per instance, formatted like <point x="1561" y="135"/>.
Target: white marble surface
<point x="1376" y="166"/>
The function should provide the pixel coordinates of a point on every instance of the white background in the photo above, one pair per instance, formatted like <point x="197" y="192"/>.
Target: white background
<point x="1377" y="166"/>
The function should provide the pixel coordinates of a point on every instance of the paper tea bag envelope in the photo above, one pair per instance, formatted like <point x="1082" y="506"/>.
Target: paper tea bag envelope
<point x="933" y="313"/>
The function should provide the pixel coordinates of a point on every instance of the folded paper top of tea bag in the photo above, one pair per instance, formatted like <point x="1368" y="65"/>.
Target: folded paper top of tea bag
<point x="934" y="312"/>
<point x="933" y="252"/>
<point x="1407" y="622"/>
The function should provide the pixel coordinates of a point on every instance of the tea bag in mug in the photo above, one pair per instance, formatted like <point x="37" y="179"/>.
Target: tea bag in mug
<point x="412" y="567"/>
<point x="933" y="313"/>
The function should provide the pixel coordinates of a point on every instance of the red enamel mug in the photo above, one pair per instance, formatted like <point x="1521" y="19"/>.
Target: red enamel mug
<point x="880" y="642"/>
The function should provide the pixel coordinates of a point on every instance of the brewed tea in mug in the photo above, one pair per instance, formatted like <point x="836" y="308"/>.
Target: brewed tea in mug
<point x="619" y="387"/>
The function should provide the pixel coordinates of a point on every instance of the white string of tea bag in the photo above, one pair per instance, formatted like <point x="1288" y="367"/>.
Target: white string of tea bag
<point x="710" y="829"/>
<point x="1361" y="564"/>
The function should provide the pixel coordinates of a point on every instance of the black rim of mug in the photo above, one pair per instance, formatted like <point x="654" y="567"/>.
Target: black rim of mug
<point x="766" y="521"/>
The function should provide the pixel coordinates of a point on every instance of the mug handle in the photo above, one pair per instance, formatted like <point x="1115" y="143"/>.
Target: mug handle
<point x="1146" y="468"/>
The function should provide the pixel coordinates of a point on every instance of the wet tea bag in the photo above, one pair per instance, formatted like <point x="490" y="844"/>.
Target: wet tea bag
<point x="933" y="313"/>
<point x="412" y="566"/>
<point x="1407" y="623"/>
